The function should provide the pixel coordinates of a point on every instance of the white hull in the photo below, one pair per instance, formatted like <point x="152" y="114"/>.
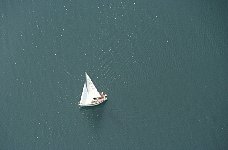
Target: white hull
<point x="95" y="103"/>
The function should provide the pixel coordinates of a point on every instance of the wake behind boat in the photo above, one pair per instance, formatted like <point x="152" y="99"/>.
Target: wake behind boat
<point x="90" y="96"/>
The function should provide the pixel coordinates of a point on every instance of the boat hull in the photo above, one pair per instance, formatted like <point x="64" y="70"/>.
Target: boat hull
<point x="95" y="103"/>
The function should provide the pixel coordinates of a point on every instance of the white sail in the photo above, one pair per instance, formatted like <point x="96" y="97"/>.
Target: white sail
<point x="90" y="96"/>
<point x="84" y="95"/>
<point x="92" y="90"/>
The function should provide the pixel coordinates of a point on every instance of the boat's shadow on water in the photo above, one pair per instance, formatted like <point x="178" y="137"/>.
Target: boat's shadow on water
<point x="95" y="117"/>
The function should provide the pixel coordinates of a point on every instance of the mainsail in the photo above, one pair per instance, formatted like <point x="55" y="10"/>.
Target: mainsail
<point x="89" y="91"/>
<point x="92" y="90"/>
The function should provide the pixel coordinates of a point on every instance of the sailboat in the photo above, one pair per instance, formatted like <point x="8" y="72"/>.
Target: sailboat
<point x="90" y="96"/>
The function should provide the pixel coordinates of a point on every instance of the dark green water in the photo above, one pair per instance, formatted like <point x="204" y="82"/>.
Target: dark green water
<point x="162" y="63"/>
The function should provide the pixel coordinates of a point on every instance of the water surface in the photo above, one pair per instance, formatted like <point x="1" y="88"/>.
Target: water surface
<point x="162" y="63"/>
